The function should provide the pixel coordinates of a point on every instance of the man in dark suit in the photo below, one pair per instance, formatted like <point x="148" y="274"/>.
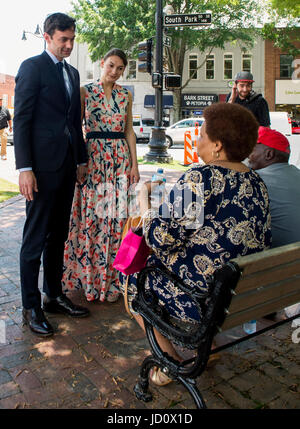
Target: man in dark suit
<point x="50" y="153"/>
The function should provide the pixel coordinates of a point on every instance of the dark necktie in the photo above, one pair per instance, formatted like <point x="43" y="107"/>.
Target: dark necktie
<point x="61" y="75"/>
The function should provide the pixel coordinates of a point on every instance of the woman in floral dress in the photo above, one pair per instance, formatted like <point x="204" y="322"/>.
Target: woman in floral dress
<point x="100" y="205"/>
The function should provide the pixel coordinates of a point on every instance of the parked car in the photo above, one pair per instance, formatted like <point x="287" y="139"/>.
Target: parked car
<point x="295" y="127"/>
<point x="280" y="121"/>
<point x="175" y="133"/>
<point x="142" y="127"/>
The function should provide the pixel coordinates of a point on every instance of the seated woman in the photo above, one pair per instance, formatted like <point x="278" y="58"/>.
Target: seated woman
<point x="215" y="212"/>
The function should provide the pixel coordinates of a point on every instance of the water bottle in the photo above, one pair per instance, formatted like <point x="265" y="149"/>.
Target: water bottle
<point x="158" y="194"/>
<point x="250" y="327"/>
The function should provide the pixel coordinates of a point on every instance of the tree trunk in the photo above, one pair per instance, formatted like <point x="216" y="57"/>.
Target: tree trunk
<point x="177" y="105"/>
<point x="176" y="64"/>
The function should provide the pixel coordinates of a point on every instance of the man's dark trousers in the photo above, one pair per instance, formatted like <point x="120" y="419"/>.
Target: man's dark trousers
<point x="45" y="231"/>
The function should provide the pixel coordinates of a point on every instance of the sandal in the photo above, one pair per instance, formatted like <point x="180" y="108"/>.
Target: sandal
<point x="158" y="377"/>
<point x="113" y="297"/>
<point x="213" y="360"/>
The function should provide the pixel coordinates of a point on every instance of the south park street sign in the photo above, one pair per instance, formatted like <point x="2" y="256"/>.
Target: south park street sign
<point x="187" y="19"/>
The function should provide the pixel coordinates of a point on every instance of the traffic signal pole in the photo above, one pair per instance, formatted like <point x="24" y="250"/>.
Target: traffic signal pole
<point x="159" y="64"/>
<point x="157" y="144"/>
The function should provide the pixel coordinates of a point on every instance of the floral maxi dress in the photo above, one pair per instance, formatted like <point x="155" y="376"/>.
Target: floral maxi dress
<point x="100" y="204"/>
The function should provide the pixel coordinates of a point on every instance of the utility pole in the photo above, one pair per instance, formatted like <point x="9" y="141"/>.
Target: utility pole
<point x="157" y="144"/>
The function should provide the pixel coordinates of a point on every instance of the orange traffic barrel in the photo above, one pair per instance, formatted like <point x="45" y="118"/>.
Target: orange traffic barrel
<point x="188" y="148"/>
<point x="195" y="157"/>
<point x="196" y="135"/>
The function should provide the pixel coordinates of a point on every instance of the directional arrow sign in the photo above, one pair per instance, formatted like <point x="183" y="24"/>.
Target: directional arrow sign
<point x="187" y="19"/>
<point x="167" y="41"/>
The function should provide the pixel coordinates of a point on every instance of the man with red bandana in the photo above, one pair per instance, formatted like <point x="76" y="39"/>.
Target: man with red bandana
<point x="243" y="94"/>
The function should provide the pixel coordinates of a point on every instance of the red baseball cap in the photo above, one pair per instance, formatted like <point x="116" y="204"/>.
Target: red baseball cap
<point x="273" y="139"/>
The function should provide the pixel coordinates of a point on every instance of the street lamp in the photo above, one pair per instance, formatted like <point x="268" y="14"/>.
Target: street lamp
<point x="157" y="144"/>
<point x="168" y="10"/>
<point x="38" y="33"/>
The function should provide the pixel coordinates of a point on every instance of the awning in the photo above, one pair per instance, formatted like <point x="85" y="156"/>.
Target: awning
<point x="149" y="101"/>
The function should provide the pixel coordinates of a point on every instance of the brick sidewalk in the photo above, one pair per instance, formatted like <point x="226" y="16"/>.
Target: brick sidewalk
<point x="93" y="362"/>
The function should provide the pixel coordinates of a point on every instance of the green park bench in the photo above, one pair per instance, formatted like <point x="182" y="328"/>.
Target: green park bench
<point x="245" y="288"/>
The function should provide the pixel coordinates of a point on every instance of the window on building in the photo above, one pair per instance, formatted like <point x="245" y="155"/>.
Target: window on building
<point x="247" y="62"/>
<point x="5" y="100"/>
<point x="286" y="69"/>
<point x="210" y="67"/>
<point x="193" y="64"/>
<point x="228" y="66"/>
<point x="131" y="73"/>
<point x="89" y="68"/>
<point x="12" y="101"/>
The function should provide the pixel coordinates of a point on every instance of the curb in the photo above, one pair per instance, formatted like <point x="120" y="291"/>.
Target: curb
<point x="10" y="201"/>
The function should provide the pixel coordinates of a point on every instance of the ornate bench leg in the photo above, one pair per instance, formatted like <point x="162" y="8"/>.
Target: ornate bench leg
<point x="190" y="385"/>
<point x="141" y="387"/>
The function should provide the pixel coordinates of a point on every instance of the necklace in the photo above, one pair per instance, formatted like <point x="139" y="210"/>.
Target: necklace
<point x="217" y="161"/>
<point x="234" y="165"/>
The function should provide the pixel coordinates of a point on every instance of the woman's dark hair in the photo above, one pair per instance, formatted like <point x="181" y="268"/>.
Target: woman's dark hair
<point x="58" y="21"/>
<point x="117" y="52"/>
<point x="234" y="126"/>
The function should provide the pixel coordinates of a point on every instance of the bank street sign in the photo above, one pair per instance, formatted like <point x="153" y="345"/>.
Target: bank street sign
<point x="198" y="100"/>
<point x="182" y="20"/>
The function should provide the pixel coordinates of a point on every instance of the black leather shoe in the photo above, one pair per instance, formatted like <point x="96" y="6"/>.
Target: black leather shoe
<point x="62" y="304"/>
<point x="37" y="322"/>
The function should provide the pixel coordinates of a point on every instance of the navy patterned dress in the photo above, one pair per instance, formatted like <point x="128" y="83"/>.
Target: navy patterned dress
<point x="213" y="214"/>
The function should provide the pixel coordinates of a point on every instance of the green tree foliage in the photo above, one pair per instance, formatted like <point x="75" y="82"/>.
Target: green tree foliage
<point x="287" y="7"/>
<point x="283" y="25"/>
<point x="104" y="24"/>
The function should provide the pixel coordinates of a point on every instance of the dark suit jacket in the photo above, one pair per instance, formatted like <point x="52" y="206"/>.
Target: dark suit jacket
<point x="45" y="122"/>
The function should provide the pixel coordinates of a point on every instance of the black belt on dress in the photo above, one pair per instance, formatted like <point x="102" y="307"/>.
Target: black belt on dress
<point x="105" y="135"/>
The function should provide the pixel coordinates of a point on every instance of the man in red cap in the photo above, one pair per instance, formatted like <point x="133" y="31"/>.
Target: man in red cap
<point x="243" y="94"/>
<point x="270" y="159"/>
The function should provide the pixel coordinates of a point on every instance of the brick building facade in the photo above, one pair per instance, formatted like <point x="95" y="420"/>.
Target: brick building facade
<point x="7" y="90"/>
<point x="282" y="79"/>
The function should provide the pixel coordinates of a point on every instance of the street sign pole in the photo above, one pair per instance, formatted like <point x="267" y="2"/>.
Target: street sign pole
<point x="157" y="144"/>
<point x="159" y="64"/>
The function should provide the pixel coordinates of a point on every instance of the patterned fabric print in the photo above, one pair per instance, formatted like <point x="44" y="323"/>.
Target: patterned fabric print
<point x="99" y="207"/>
<point x="235" y="222"/>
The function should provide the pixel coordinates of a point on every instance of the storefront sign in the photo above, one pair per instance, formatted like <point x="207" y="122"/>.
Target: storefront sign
<point x="287" y="92"/>
<point x="198" y="100"/>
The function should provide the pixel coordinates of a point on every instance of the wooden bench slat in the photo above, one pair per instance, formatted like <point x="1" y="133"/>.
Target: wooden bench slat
<point x="264" y="294"/>
<point x="270" y="258"/>
<point x="256" y="312"/>
<point x="262" y="279"/>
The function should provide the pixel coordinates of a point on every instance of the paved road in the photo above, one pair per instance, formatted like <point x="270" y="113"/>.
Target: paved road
<point x="177" y="152"/>
<point x="7" y="168"/>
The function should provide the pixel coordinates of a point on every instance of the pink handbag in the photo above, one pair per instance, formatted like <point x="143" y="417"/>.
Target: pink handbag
<point x="132" y="254"/>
